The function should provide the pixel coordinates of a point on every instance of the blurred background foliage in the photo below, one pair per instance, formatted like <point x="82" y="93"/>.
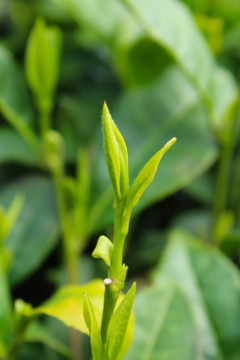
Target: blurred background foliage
<point x="165" y="68"/>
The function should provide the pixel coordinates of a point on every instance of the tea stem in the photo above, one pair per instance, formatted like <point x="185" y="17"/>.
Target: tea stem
<point x="223" y="176"/>
<point x="44" y="120"/>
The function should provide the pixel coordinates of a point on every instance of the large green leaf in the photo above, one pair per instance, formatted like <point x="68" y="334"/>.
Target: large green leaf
<point x="164" y="326"/>
<point x="148" y="117"/>
<point x="212" y="285"/>
<point x="5" y="310"/>
<point x="36" y="231"/>
<point x="169" y="24"/>
<point x="99" y="19"/>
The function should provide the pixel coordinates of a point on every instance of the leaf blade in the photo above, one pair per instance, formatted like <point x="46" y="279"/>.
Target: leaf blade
<point x="118" y="326"/>
<point x="103" y="250"/>
<point x="146" y="175"/>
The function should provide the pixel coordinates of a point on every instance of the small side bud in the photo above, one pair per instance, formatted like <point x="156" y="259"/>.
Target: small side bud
<point x="107" y="281"/>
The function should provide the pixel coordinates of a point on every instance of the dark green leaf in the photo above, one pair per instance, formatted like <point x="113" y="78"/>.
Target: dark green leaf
<point x="36" y="231"/>
<point x="13" y="148"/>
<point x="169" y="24"/>
<point x="164" y="328"/>
<point x="38" y="333"/>
<point x="211" y="283"/>
<point x="14" y="100"/>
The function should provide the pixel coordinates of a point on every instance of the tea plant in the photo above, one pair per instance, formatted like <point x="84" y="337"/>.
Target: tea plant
<point x="167" y="68"/>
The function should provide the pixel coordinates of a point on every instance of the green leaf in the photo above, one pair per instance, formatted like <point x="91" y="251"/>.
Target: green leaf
<point x="8" y="217"/>
<point x="36" y="230"/>
<point x="164" y="326"/>
<point x="95" y="29"/>
<point x="116" y="155"/>
<point x="146" y="176"/>
<point x="5" y="310"/>
<point x="42" y="58"/>
<point x="67" y="304"/>
<point x="117" y="343"/>
<point x="103" y="250"/>
<point x="14" y="149"/>
<point x="170" y="24"/>
<point x="91" y="322"/>
<point x="14" y="100"/>
<point x="39" y="333"/>
<point x="211" y="283"/>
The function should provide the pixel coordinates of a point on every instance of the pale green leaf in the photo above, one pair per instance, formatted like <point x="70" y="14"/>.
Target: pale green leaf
<point x="164" y="325"/>
<point x="67" y="304"/>
<point x="95" y="335"/>
<point x="211" y="283"/>
<point x="116" y="347"/>
<point x="116" y="155"/>
<point x="146" y="176"/>
<point x="123" y="157"/>
<point x="103" y="250"/>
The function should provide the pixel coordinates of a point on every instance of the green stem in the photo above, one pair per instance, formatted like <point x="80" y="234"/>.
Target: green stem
<point x="224" y="172"/>
<point x="70" y="253"/>
<point x="121" y="224"/>
<point x="222" y="181"/>
<point x="44" y="120"/>
<point x="117" y="255"/>
<point x="112" y="290"/>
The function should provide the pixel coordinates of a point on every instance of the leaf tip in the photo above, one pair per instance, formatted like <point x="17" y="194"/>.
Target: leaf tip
<point x="105" y="111"/>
